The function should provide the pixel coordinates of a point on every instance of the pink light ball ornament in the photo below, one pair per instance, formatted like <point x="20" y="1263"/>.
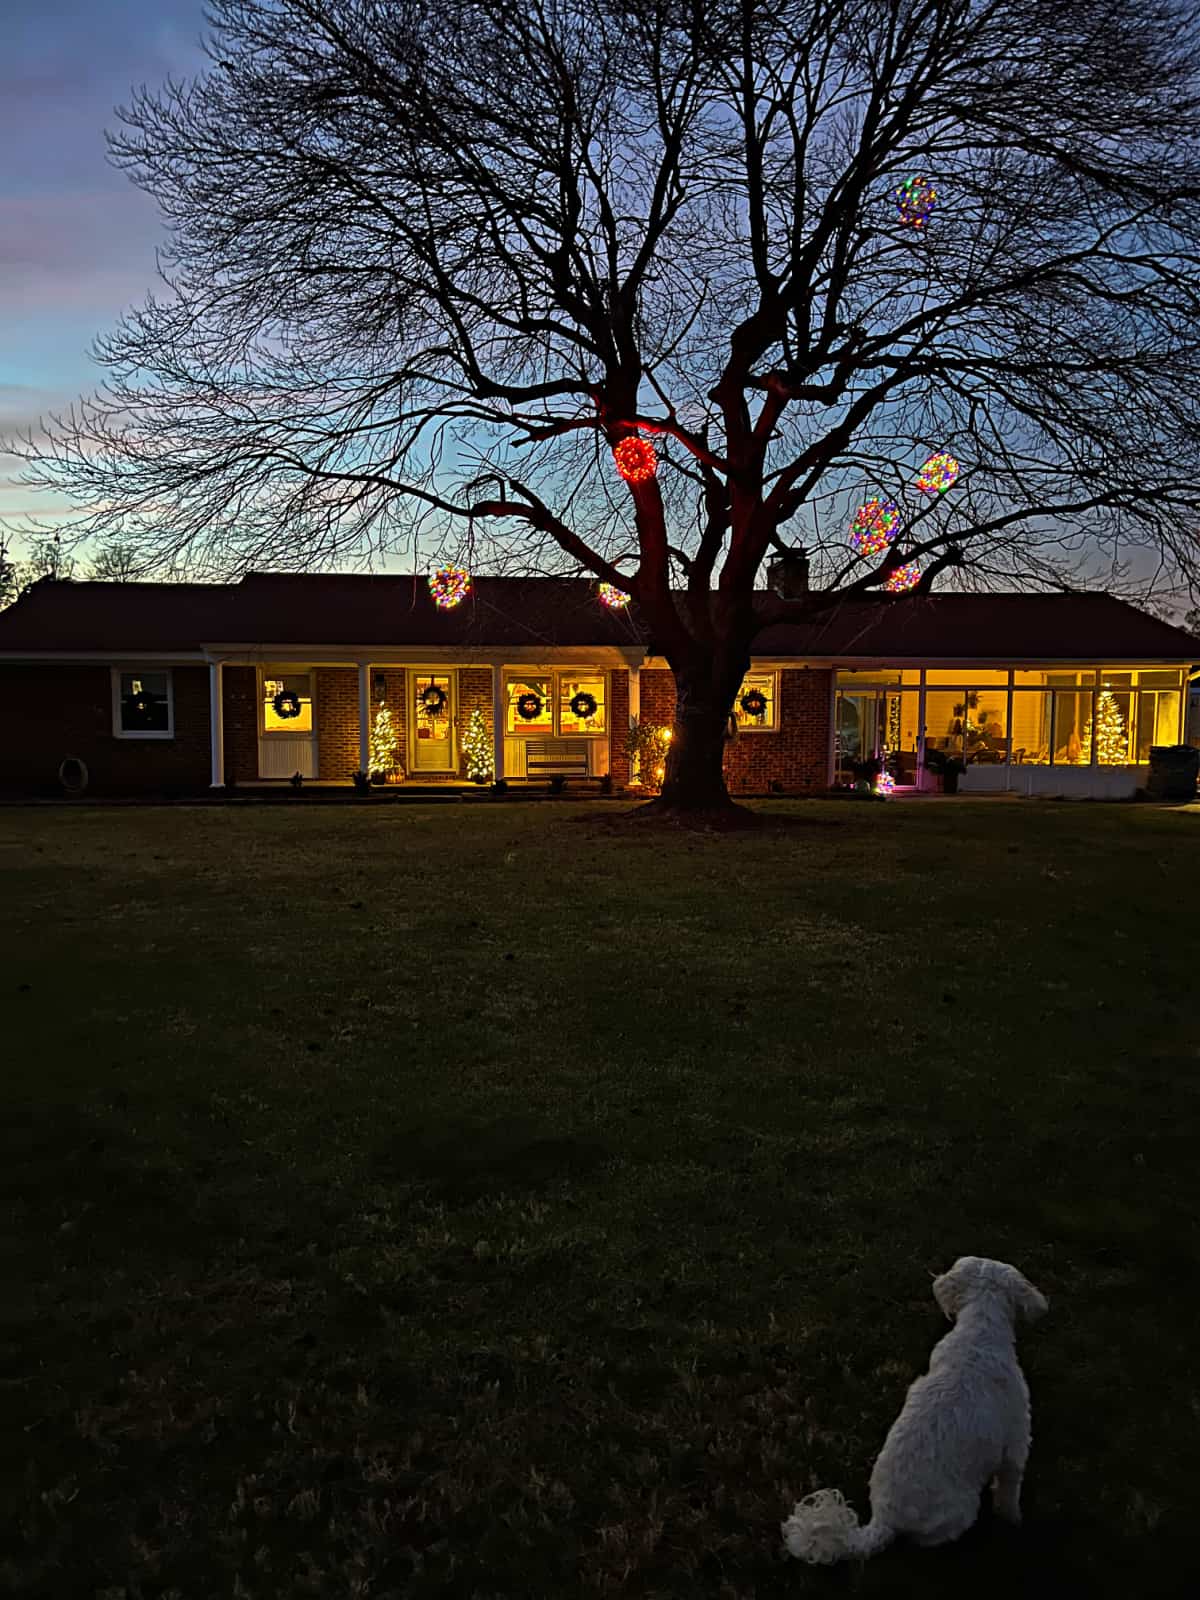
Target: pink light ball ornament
<point x="938" y="474"/>
<point x="636" y="460"/>
<point x="449" y="586"/>
<point x="612" y="597"/>
<point x="876" y="523"/>
<point x="916" y="202"/>
<point x="903" y="578"/>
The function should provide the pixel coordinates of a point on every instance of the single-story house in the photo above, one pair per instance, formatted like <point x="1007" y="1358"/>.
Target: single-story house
<point x="179" y="687"/>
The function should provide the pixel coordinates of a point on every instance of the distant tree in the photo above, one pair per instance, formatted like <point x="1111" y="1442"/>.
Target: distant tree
<point x="1191" y="621"/>
<point x="432" y="263"/>
<point x="10" y="578"/>
<point x="116" y="562"/>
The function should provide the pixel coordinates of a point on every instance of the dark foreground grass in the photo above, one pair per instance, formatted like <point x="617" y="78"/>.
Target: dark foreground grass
<point x="481" y="1201"/>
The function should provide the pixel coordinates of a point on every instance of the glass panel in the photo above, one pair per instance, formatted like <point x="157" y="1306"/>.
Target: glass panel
<point x="290" y="721"/>
<point x="855" y="732"/>
<point x="986" y="726"/>
<point x="1052" y="678"/>
<point x="520" y="695"/>
<point x="899" y="734"/>
<point x="145" y="707"/>
<point x="945" y="714"/>
<point x="991" y="676"/>
<point x="1159" y="680"/>
<point x="863" y="677"/>
<point x="1115" y="680"/>
<point x="756" y="683"/>
<point x="581" y="720"/>
<point x="1072" y="720"/>
<point x="432" y="708"/>
<point x="1112" y="728"/>
<point x="1157" y="719"/>
<point x="1031" y="713"/>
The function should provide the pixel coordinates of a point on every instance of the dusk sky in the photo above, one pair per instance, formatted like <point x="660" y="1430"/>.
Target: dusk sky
<point x="77" y="240"/>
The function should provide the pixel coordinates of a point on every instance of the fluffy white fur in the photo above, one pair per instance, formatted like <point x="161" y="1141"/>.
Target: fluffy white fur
<point x="963" y="1425"/>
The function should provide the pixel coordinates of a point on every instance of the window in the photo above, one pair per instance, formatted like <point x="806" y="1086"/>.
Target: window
<point x="540" y="703"/>
<point x="763" y="690"/>
<point x="287" y="702"/>
<point x="581" y="719"/>
<point x="143" y="704"/>
<point x="1157" y="717"/>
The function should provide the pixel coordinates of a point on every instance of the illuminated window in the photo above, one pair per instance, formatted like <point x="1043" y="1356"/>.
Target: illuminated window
<point x="586" y="715"/>
<point x="529" y="705"/>
<point x="143" y="705"/>
<point x="287" y="702"/>
<point x="761" y="714"/>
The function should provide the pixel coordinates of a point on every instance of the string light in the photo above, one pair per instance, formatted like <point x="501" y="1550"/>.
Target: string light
<point x="885" y="784"/>
<point x="636" y="459"/>
<point x="906" y="577"/>
<point x="612" y="597"/>
<point x="916" y="202"/>
<point x="876" y="523"/>
<point x="938" y="474"/>
<point x="449" y="586"/>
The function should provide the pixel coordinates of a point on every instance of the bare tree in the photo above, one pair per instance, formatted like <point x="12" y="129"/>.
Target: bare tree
<point x="116" y="562"/>
<point x="433" y="262"/>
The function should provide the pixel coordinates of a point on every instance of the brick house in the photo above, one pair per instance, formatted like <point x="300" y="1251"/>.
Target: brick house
<point x="177" y="688"/>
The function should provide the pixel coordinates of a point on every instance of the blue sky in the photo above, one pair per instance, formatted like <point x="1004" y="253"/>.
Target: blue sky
<point x="77" y="240"/>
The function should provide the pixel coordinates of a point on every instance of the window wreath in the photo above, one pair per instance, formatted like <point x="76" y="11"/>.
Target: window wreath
<point x="286" y="704"/>
<point x="433" y="700"/>
<point x="530" y="706"/>
<point x="583" y="705"/>
<point x="754" y="703"/>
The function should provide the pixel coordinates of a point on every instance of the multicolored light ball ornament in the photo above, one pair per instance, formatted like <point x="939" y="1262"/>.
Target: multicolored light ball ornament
<point x="885" y="784"/>
<point x="876" y="523"/>
<point x="903" y="578"/>
<point x="938" y="474"/>
<point x="612" y="597"/>
<point x="636" y="459"/>
<point x="916" y="202"/>
<point x="449" y="586"/>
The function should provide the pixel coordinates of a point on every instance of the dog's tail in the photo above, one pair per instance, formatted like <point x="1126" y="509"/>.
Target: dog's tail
<point x="823" y="1529"/>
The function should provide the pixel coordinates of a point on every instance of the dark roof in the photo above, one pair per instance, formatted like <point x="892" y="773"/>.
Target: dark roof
<point x="345" y="610"/>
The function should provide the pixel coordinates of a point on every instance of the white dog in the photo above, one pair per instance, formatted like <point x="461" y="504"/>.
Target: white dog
<point x="963" y="1425"/>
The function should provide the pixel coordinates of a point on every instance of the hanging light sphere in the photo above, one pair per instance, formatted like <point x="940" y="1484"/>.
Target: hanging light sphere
<point x="636" y="459"/>
<point x="448" y="586"/>
<point x="916" y="202"/>
<point x="906" y="577"/>
<point x="612" y="597"/>
<point x="876" y="523"/>
<point x="938" y="474"/>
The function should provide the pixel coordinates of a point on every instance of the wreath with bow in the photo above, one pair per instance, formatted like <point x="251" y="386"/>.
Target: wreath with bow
<point x="530" y="706"/>
<point x="286" y="704"/>
<point x="433" y="700"/>
<point x="754" y="703"/>
<point x="583" y="705"/>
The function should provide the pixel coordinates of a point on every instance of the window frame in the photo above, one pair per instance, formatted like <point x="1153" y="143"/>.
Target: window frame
<point x="265" y="673"/>
<point x="555" y="675"/>
<point x="117" y="672"/>
<point x="758" y="727"/>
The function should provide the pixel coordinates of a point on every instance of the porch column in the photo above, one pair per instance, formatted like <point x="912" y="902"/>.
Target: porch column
<point x="497" y="723"/>
<point x="364" y="714"/>
<point x="635" y="712"/>
<point x="216" y="721"/>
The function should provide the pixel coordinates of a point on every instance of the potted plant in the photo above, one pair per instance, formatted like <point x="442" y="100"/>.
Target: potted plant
<point x="865" y="773"/>
<point x="946" y="766"/>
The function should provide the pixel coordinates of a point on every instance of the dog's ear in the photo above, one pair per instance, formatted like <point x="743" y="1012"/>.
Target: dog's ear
<point x="953" y="1288"/>
<point x="1028" y="1302"/>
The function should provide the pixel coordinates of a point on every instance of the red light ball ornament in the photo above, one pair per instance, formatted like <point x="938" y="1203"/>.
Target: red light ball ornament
<point x="636" y="460"/>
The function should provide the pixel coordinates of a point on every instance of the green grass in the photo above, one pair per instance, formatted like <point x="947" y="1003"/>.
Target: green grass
<point x="498" y="1200"/>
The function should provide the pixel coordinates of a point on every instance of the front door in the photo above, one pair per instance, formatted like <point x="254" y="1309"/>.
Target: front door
<point x="856" y="732"/>
<point x="432" y="720"/>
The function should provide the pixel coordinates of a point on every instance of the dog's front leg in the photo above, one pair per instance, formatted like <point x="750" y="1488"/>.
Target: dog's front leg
<point x="1006" y="1486"/>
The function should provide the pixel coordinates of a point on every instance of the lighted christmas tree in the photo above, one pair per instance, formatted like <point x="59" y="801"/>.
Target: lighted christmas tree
<point x="477" y="749"/>
<point x="382" y="758"/>
<point x="1112" y="745"/>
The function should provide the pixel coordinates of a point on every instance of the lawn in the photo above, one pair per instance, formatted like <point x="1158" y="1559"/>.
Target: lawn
<point x="499" y="1200"/>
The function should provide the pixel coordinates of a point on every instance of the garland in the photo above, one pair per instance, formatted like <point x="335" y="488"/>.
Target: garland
<point x="530" y="706"/>
<point x="286" y="704"/>
<point x="754" y="703"/>
<point x="433" y="700"/>
<point x="583" y="705"/>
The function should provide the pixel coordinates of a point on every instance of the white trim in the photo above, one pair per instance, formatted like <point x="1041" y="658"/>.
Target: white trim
<point x="116" y="671"/>
<point x="554" y="672"/>
<point x="497" y="723"/>
<point x="364" y="715"/>
<point x="159" y="658"/>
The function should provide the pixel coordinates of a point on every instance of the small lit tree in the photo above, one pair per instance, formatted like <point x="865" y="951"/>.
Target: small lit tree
<point x="477" y="749"/>
<point x="382" y="756"/>
<point x="1112" y="745"/>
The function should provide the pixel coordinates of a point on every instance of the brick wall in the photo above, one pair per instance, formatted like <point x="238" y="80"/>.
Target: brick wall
<point x="796" y="756"/>
<point x="335" y="697"/>
<point x="474" y="694"/>
<point x="240" y="698"/>
<point x="388" y="687"/>
<point x="618" y="726"/>
<point x="52" y="711"/>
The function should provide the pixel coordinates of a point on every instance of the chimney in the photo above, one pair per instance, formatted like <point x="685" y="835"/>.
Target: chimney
<point x="787" y="574"/>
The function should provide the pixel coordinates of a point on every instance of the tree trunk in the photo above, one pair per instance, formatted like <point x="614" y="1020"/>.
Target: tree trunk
<point x="695" y="779"/>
